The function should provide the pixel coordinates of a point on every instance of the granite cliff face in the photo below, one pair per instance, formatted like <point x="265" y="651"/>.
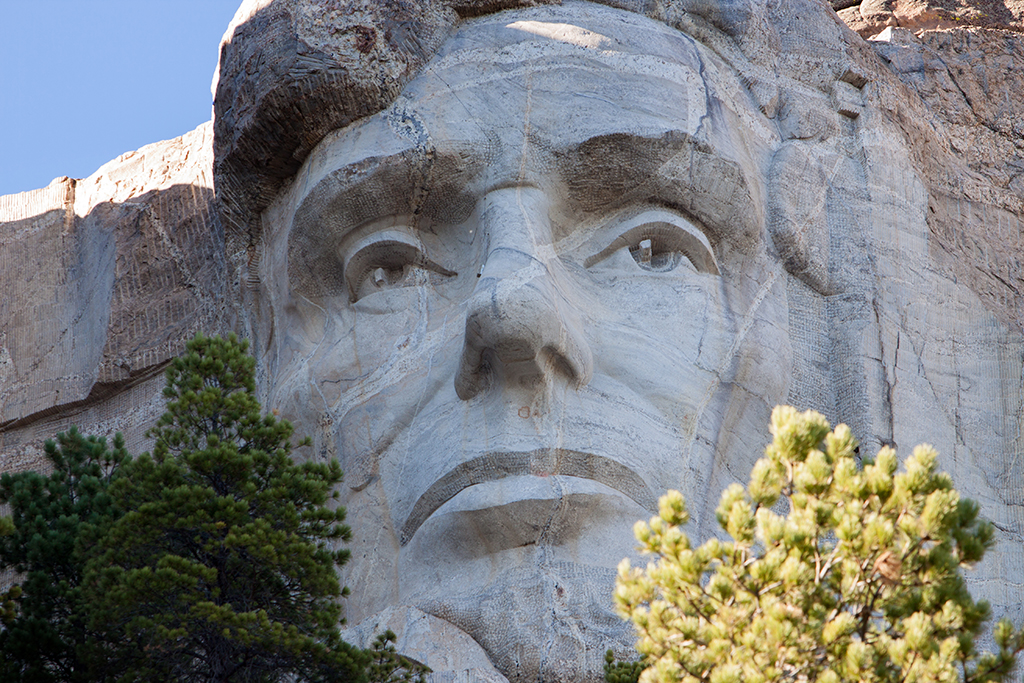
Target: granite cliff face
<point x="104" y="280"/>
<point x="850" y="206"/>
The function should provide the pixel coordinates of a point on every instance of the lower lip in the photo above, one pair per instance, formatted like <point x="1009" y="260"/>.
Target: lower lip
<point x="528" y="510"/>
<point x="495" y="467"/>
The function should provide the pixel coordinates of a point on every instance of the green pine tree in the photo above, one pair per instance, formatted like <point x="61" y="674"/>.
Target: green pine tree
<point x="387" y="666"/>
<point x="44" y="636"/>
<point x="859" y="579"/>
<point x="621" y="671"/>
<point x="223" y="566"/>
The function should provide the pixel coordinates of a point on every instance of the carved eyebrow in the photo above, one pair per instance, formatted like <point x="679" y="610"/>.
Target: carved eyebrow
<point x="329" y="205"/>
<point x="340" y="202"/>
<point x="673" y="169"/>
<point x="416" y="180"/>
<point x="430" y="185"/>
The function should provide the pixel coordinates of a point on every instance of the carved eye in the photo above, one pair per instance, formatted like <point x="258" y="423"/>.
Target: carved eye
<point x="655" y="248"/>
<point x="661" y="245"/>
<point x="384" y="260"/>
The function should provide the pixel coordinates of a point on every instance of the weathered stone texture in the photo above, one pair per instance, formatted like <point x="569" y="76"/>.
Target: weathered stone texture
<point x="433" y="234"/>
<point x="292" y="72"/>
<point x="104" y="280"/>
<point x="966" y="79"/>
<point x="869" y="17"/>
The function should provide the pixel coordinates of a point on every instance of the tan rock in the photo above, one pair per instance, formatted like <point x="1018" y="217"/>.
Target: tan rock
<point x="105" y="278"/>
<point x="870" y="17"/>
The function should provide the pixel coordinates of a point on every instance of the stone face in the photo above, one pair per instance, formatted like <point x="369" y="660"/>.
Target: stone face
<point x="459" y="286"/>
<point x="523" y="266"/>
<point x="508" y="381"/>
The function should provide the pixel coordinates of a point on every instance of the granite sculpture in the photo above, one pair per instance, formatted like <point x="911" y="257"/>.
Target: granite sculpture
<point x="522" y="266"/>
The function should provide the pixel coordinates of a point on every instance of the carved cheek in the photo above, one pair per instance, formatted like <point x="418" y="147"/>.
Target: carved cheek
<point x="659" y="339"/>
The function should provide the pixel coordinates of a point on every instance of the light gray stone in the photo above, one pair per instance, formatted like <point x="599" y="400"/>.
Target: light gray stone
<point x="437" y="218"/>
<point x="451" y="654"/>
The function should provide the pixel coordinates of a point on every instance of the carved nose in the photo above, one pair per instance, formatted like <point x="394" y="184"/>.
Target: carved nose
<point x="521" y="330"/>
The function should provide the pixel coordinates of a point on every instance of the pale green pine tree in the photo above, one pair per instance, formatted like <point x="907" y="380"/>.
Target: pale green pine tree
<point x="860" y="579"/>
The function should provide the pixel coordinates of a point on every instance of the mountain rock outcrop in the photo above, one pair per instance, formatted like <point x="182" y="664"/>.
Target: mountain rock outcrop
<point x="522" y="265"/>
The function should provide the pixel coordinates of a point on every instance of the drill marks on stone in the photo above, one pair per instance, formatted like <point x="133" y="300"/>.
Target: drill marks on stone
<point x="809" y="332"/>
<point x="130" y="410"/>
<point x="97" y="324"/>
<point x="168" y="257"/>
<point x="749" y="318"/>
<point x="542" y="462"/>
<point x="16" y="210"/>
<point x="982" y="251"/>
<point x="42" y="301"/>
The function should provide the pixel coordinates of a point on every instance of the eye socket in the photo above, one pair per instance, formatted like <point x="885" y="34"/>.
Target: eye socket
<point x="654" y="250"/>
<point x="384" y="260"/>
<point x="661" y="245"/>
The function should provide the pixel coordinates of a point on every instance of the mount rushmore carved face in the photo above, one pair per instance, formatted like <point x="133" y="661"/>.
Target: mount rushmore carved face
<point x="518" y="305"/>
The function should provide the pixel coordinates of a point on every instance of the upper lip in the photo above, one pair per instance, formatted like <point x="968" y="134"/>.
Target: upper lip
<point x="544" y="461"/>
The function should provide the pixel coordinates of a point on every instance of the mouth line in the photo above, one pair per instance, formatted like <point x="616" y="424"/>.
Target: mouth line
<point x="541" y="462"/>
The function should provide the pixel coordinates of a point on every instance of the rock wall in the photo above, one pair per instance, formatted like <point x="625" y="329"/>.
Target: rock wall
<point x="869" y="17"/>
<point x="104" y="280"/>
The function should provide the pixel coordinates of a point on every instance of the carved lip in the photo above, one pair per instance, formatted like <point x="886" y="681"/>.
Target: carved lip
<point x="541" y="462"/>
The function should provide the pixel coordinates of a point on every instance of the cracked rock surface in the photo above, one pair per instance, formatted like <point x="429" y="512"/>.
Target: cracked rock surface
<point x="522" y="266"/>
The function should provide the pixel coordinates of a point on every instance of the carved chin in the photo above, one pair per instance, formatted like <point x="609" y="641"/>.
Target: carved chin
<point x="548" y="622"/>
<point x="526" y="566"/>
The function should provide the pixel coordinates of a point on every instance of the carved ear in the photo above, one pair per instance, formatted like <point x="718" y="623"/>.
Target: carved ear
<point x="797" y="220"/>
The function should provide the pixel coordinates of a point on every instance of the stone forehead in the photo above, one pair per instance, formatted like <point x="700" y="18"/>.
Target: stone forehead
<point x="291" y="71"/>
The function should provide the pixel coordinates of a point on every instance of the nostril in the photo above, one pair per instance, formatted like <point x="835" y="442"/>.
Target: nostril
<point x="560" y="365"/>
<point x="515" y="351"/>
<point x="523" y="353"/>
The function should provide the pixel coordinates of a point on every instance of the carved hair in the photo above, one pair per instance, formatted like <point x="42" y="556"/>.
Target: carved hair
<point x="291" y="71"/>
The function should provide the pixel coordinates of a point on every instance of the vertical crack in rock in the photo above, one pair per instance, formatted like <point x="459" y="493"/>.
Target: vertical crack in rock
<point x="543" y="565"/>
<point x="710" y="103"/>
<point x="885" y="434"/>
<point x="406" y="123"/>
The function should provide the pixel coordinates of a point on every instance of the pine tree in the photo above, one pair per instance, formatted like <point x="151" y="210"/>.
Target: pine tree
<point x="53" y="518"/>
<point x="621" y="671"/>
<point x="857" y="579"/>
<point x="387" y="666"/>
<point x="223" y="566"/>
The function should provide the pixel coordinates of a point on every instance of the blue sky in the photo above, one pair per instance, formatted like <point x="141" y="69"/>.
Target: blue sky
<point x="82" y="81"/>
